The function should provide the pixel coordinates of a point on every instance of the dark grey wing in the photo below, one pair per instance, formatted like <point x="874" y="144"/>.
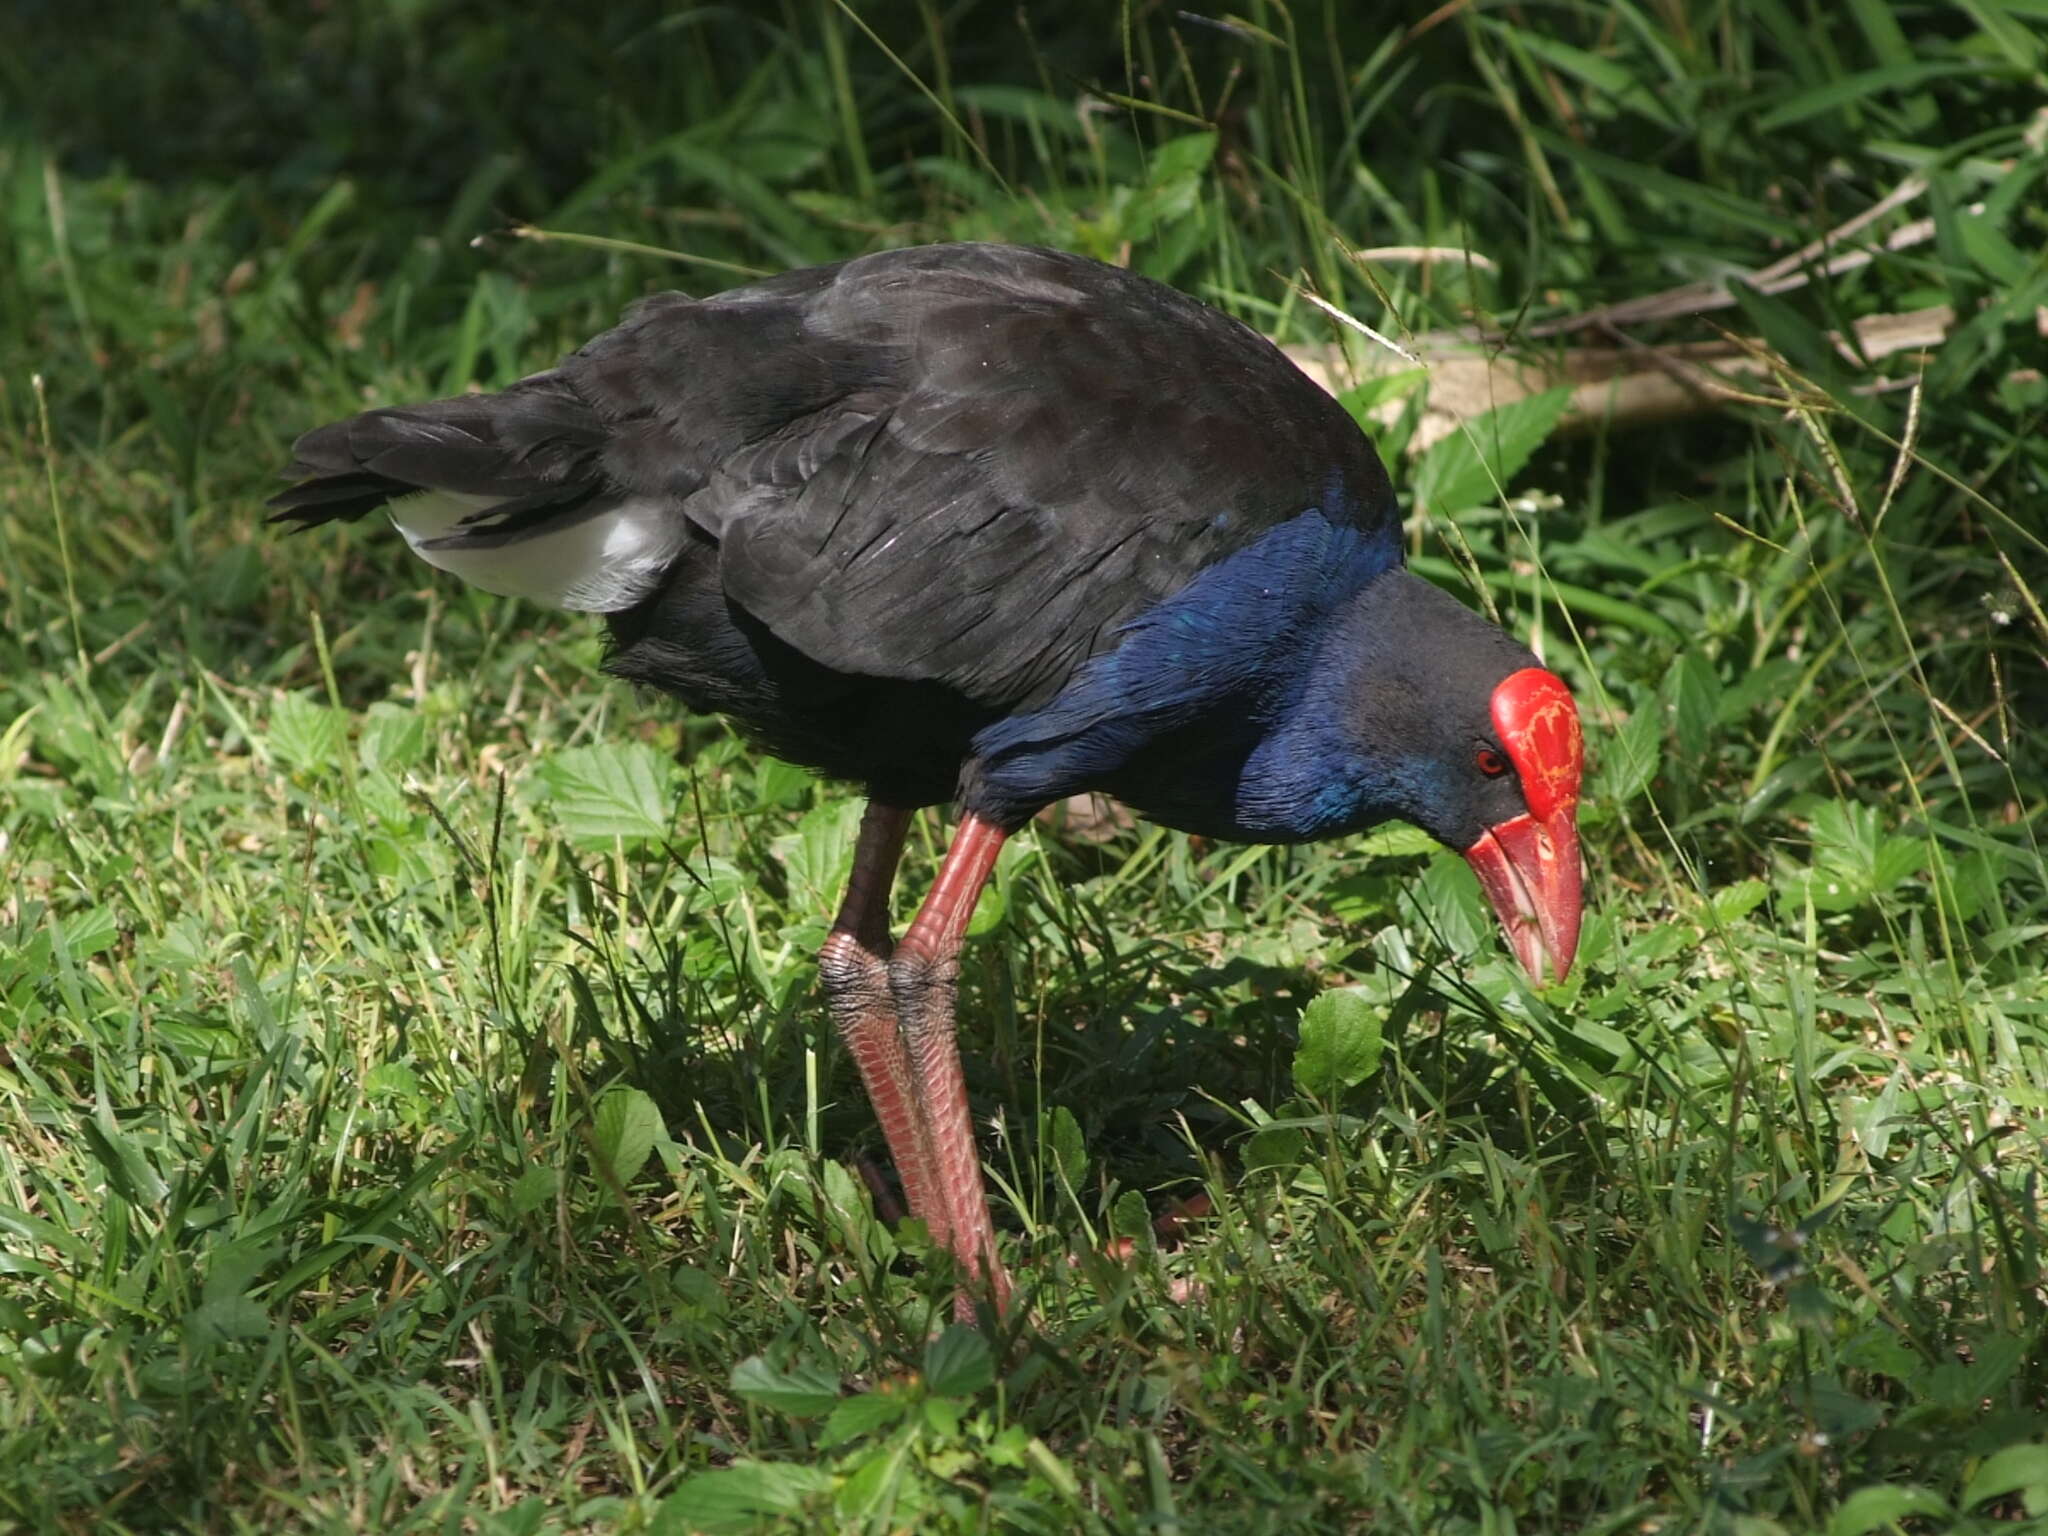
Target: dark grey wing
<point x="970" y="464"/>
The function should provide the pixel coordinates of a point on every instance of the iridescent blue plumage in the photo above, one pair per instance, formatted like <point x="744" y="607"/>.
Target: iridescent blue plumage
<point x="1226" y="661"/>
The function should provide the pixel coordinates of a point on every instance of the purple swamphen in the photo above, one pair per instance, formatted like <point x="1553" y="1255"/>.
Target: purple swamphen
<point x="992" y="525"/>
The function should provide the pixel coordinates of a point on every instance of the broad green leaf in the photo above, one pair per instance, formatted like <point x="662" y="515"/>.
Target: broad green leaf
<point x="818" y="855"/>
<point x="780" y="784"/>
<point x="738" y="1497"/>
<point x="1361" y="898"/>
<point x="1694" y="694"/>
<point x="1187" y="156"/>
<point x="391" y="1080"/>
<point x="862" y="1415"/>
<point x="957" y="1363"/>
<point x="876" y="1483"/>
<point x="625" y="1129"/>
<point x="1854" y="858"/>
<point x="534" y="1188"/>
<point x="1276" y="1146"/>
<point x="1372" y="393"/>
<point x="1881" y="30"/>
<point x="393" y="739"/>
<point x="1472" y="466"/>
<point x="1828" y="892"/>
<point x="723" y="883"/>
<point x="1883" y="1505"/>
<point x="600" y="793"/>
<point x="1604" y="1048"/>
<point x="990" y="908"/>
<point x="2016" y="1468"/>
<point x="1062" y="1134"/>
<point x="1652" y="946"/>
<point x="845" y="1197"/>
<point x="1449" y="896"/>
<point x="942" y="1415"/>
<point x="228" y="1317"/>
<point x="1736" y="901"/>
<point x="89" y="932"/>
<point x="1396" y="840"/>
<point x="1047" y="1464"/>
<point x="1897" y="860"/>
<point x="699" y="1290"/>
<point x="1995" y="256"/>
<point x="307" y="736"/>
<point x="804" y="1390"/>
<point x="234" y="1266"/>
<point x="1630" y="758"/>
<point x="198" y="1040"/>
<point x="1340" y="1043"/>
<point x="1132" y="1218"/>
<point x="1873" y="1118"/>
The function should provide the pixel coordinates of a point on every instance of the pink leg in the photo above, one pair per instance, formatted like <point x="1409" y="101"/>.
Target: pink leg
<point x="855" y="966"/>
<point x="923" y="978"/>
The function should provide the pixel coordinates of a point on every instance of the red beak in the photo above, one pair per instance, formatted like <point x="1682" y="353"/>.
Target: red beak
<point x="1529" y="864"/>
<point x="1529" y="870"/>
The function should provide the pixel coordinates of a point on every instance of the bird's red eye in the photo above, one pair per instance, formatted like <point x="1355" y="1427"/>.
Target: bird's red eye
<point x="1490" y="762"/>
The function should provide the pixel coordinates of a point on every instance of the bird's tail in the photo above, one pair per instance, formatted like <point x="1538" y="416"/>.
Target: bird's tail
<point x="533" y="448"/>
<point x="507" y="491"/>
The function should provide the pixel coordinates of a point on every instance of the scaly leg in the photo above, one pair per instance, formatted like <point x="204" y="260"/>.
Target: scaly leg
<point x="855" y="967"/>
<point x="923" y="977"/>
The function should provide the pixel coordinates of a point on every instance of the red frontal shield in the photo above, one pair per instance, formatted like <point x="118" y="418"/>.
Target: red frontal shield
<point x="1529" y="865"/>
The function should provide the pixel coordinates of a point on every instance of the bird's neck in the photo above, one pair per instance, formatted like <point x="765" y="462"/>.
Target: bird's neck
<point x="1165" y="719"/>
<point x="1317" y="769"/>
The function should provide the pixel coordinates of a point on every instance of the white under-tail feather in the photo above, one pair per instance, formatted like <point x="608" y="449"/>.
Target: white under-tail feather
<point x="593" y="563"/>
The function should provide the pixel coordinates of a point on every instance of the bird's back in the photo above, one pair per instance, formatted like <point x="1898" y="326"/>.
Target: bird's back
<point x="944" y="477"/>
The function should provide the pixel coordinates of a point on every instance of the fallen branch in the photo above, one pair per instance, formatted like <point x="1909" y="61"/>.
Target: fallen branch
<point x="1630" y="383"/>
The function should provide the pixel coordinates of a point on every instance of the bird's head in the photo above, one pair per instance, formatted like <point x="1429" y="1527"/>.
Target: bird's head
<point x="1475" y="742"/>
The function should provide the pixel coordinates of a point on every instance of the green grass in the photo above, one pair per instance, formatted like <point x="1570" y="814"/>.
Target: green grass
<point x="416" y="1108"/>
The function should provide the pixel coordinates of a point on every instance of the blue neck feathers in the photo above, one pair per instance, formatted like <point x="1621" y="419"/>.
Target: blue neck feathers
<point x="1222" y="709"/>
<point x="1315" y="773"/>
